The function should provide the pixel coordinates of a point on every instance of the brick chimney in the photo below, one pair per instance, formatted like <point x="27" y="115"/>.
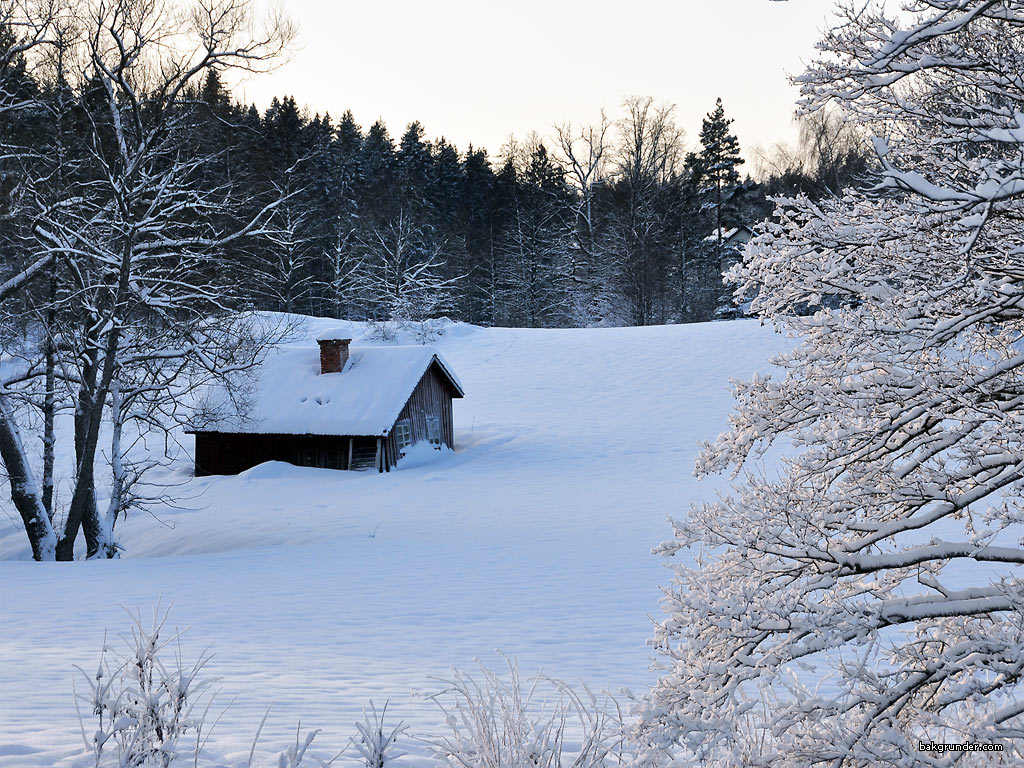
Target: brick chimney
<point x="333" y="354"/>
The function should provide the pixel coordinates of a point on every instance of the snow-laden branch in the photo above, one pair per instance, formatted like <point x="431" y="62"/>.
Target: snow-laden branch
<point x="883" y="556"/>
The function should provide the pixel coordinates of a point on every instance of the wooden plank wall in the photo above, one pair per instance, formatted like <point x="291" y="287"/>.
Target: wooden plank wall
<point x="219" y="453"/>
<point x="432" y="397"/>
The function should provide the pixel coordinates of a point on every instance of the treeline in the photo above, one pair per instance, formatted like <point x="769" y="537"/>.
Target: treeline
<point x="614" y="223"/>
<point x="607" y="224"/>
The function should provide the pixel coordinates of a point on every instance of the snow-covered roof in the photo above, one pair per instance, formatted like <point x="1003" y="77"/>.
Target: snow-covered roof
<point x="728" y="234"/>
<point x="292" y="397"/>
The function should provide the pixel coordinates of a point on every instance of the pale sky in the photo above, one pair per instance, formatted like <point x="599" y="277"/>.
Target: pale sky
<point x="476" y="71"/>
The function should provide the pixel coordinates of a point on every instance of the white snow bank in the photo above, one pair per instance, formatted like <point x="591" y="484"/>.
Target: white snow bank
<point x="423" y="453"/>
<point x="320" y="590"/>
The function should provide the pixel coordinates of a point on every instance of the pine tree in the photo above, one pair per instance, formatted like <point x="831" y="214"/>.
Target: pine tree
<point x="700" y="275"/>
<point x="414" y="165"/>
<point x="284" y="260"/>
<point x="346" y="194"/>
<point x="476" y="216"/>
<point x="535" y="279"/>
<point x="717" y="162"/>
<point x="214" y="94"/>
<point x="377" y="160"/>
<point x="715" y="170"/>
<point x="444" y="195"/>
<point x="445" y="189"/>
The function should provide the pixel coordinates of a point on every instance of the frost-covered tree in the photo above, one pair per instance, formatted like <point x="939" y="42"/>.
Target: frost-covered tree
<point x="399" y="276"/>
<point x="536" y="277"/>
<point x="866" y="597"/>
<point x="24" y="30"/>
<point x="641" y="237"/>
<point x="582" y="156"/>
<point x="130" y="230"/>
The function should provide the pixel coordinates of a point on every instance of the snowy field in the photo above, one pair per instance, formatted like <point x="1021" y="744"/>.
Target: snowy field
<point x="318" y="590"/>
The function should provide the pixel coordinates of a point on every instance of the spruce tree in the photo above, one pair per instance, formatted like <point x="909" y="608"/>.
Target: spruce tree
<point x="444" y="197"/>
<point x="378" y="164"/>
<point x="285" y="259"/>
<point x="536" y="280"/>
<point x="476" y="216"/>
<point x="715" y="169"/>
<point x="347" y="193"/>
<point x="717" y="163"/>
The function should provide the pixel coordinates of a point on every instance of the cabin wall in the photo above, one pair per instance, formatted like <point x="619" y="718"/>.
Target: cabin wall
<point x="432" y="397"/>
<point x="219" y="453"/>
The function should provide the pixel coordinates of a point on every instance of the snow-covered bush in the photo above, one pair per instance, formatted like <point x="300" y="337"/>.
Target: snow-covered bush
<point x="295" y="755"/>
<point x="141" y="711"/>
<point x="404" y="330"/>
<point x="151" y="713"/>
<point x="866" y="599"/>
<point x="376" y="742"/>
<point x="496" y="722"/>
<point x="144" y="707"/>
<point x="429" y="330"/>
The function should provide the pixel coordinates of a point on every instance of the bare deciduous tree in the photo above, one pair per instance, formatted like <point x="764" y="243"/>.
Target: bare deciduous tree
<point x="647" y="160"/>
<point x="129" y="231"/>
<point x="400" y="273"/>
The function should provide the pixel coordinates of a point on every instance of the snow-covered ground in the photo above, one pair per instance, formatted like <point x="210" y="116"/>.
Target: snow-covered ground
<point x="320" y="590"/>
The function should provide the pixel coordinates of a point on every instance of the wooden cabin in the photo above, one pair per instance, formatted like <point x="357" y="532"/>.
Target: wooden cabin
<point x="357" y="408"/>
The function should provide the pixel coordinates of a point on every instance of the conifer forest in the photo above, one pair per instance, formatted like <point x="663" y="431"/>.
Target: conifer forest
<point x="616" y="223"/>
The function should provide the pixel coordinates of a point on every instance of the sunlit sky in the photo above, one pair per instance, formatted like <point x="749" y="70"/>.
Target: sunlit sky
<point x="476" y="72"/>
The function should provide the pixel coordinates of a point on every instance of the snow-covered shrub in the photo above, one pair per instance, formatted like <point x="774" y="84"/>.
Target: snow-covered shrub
<point x="403" y="330"/>
<point x="382" y="330"/>
<point x="143" y="706"/>
<point x="148" y="714"/>
<point x="496" y="722"/>
<point x="376" y="743"/>
<point x="295" y="755"/>
<point x="429" y="330"/>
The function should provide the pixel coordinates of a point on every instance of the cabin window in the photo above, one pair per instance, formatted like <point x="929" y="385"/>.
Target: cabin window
<point x="403" y="434"/>
<point x="434" y="430"/>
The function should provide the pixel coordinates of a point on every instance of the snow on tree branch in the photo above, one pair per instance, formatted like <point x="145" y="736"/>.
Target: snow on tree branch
<point x="866" y="597"/>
